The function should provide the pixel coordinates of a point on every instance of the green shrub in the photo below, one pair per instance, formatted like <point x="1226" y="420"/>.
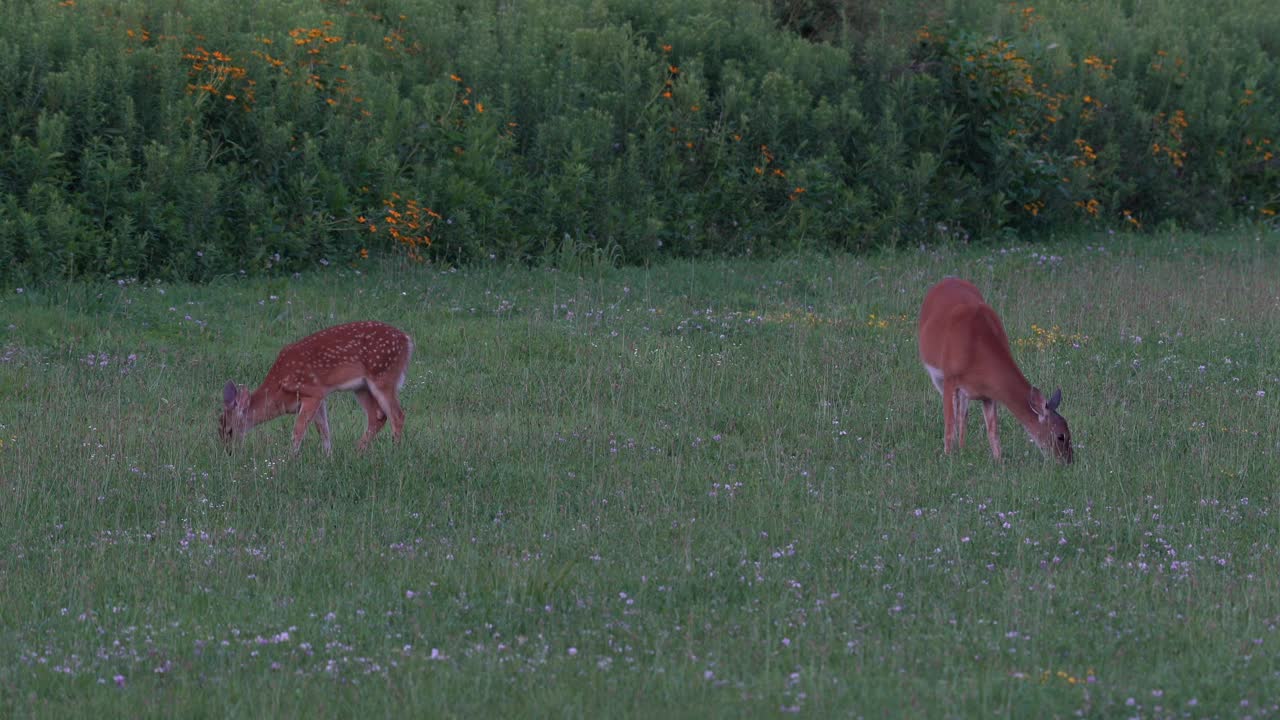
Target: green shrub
<point x="196" y="141"/>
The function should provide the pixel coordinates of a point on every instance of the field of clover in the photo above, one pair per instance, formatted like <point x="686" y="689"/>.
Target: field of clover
<point x="708" y="488"/>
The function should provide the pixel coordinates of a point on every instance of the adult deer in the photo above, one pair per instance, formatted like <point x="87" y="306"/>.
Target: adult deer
<point x="965" y="350"/>
<point x="368" y="358"/>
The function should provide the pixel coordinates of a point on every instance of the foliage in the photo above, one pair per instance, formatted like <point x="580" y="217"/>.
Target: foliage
<point x="1161" y="115"/>
<point x="148" y="139"/>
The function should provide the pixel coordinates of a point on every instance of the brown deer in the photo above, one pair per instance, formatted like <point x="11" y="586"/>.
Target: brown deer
<point x="368" y="358"/>
<point x="965" y="350"/>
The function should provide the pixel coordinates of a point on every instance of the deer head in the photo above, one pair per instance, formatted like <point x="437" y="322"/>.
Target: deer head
<point x="1053" y="432"/>
<point x="235" y="420"/>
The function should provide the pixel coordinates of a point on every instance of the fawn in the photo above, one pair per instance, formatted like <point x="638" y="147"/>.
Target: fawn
<point x="368" y="358"/>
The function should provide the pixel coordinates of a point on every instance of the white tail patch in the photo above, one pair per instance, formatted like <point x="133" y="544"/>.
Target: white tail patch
<point x="935" y="375"/>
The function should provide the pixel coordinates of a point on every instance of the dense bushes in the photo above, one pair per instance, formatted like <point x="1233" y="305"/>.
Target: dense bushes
<point x="180" y="140"/>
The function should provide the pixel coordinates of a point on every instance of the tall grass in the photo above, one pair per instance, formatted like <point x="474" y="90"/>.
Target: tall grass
<point x="701" y="489"/>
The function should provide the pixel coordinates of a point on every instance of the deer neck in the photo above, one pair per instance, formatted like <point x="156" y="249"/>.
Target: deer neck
<point x="263" y="406"/>
<point x="1014" y="395"/>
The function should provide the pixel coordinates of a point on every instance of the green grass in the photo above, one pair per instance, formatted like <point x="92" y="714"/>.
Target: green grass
<point x="710" y="489"/>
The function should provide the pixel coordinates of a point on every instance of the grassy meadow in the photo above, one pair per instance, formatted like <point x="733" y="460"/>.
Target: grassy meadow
<point x="698" y="489"/>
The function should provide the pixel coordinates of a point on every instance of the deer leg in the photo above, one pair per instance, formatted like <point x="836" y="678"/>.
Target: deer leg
<point x="306" y="412"/>
<point x="962" y="415"/>
<point x="386" y="397"/>
<point x="376" y="418"/>
<point x="993" y="427"/>
<point x="321" y="421"/>
<point x="948" y="416"/>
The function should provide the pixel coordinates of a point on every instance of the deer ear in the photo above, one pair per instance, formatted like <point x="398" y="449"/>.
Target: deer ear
<point x="1054" y="400"/>
<point x="1035" y="401"/>
<point x="229" y="393"/>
